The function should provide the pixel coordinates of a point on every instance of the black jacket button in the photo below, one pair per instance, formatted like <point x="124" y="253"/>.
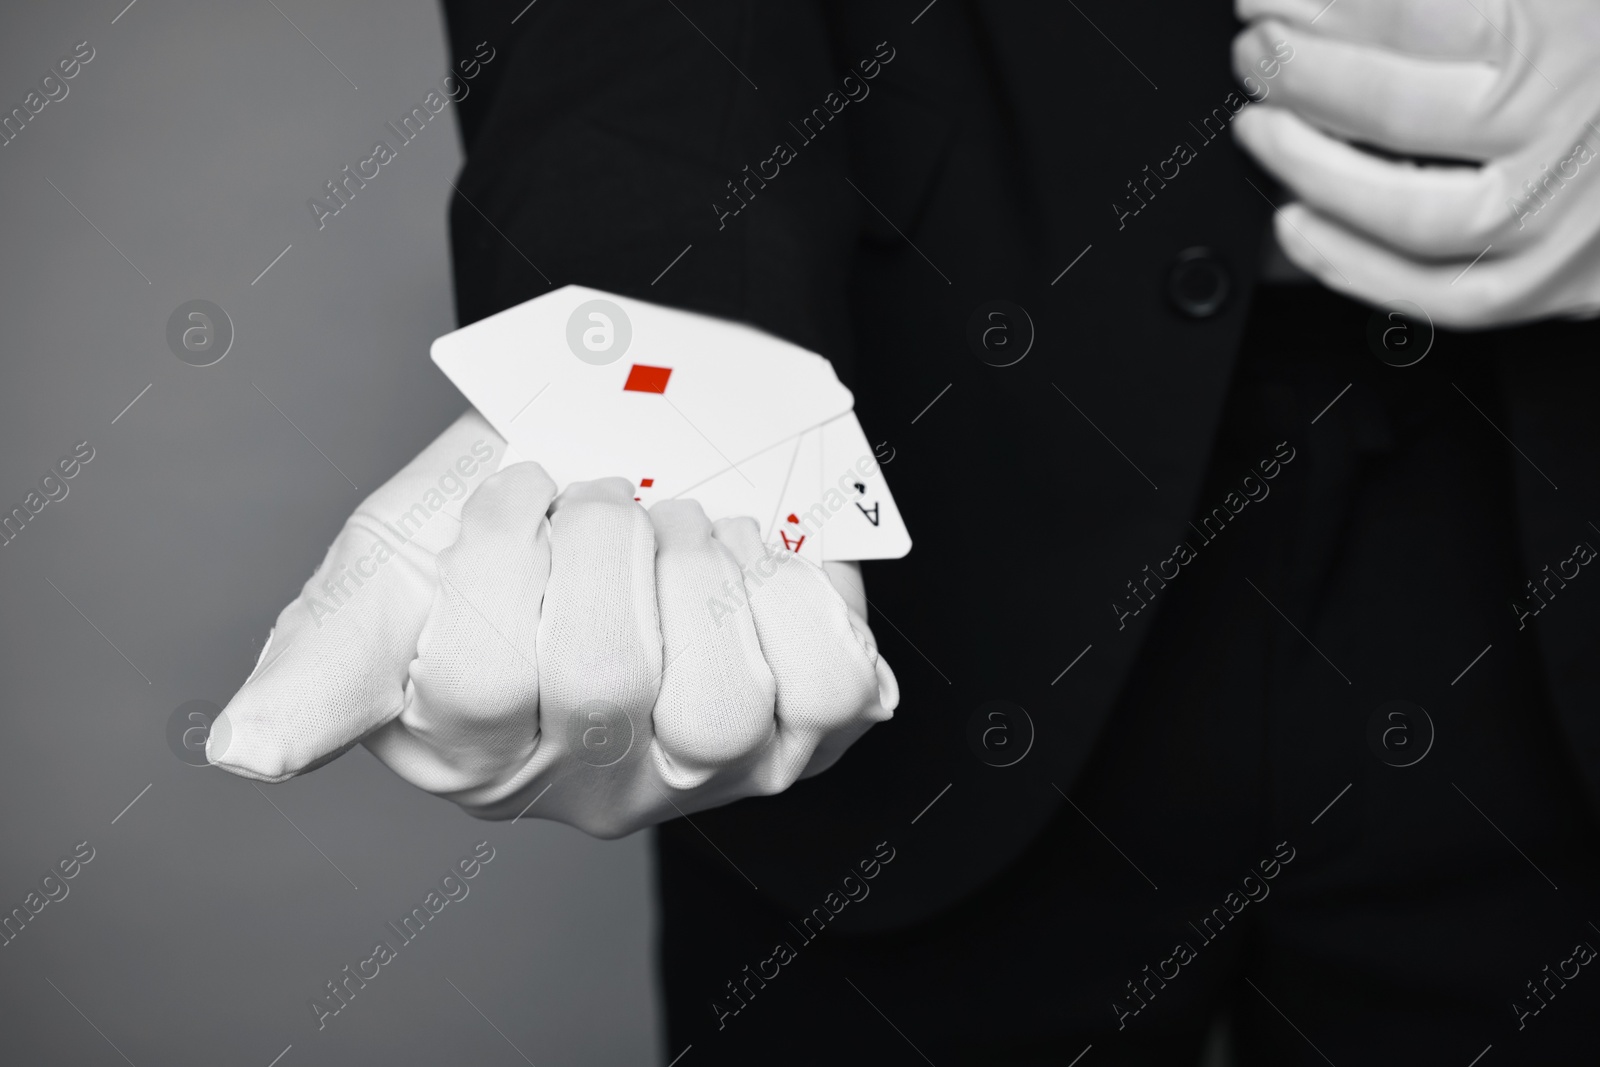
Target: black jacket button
<point x="1198" y="283"/>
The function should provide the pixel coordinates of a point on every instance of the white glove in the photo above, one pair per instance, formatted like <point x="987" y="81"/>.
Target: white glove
<point x="611" y="667"/>
<point x="1512" y="85"/>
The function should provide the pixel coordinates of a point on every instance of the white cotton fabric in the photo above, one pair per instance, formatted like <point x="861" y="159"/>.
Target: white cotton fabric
<point x="573" y="657"/>
<point x="470" y="710"/>
<point x="716" y="704"/>
<point x="1512" y="87"/>
<point x="337" y="662"/>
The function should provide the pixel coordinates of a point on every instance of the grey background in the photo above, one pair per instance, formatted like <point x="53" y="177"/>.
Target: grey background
<point x="206" y="920"/>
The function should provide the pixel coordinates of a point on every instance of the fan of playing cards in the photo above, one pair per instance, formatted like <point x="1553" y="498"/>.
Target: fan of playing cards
<point x="594" y="385"/>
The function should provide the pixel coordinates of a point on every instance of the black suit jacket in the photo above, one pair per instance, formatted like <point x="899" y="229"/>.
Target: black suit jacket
<point x="994" y="146"/>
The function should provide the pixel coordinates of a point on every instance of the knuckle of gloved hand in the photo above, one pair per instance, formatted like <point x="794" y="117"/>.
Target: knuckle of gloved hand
<point x="833" y="699"/>
<point x="618" y="528"/>
<point x="510" y="507"/>
<point x="488" y="814"/>
<point x="721" y="736"/>
<point x="499" y="696"/>
<point x="482" y="684"/>
<point x="1245" y="47"/>
<point x="606" y="824"/>
<point x="606" y="493"/>
<point x="601" y="740"/>
<point x="799" y="749"/>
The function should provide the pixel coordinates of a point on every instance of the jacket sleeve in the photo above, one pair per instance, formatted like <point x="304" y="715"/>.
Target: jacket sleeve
<point x="677" y="152"/>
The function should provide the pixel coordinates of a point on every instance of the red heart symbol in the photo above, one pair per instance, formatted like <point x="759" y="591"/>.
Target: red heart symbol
<point x="792" y="519"/>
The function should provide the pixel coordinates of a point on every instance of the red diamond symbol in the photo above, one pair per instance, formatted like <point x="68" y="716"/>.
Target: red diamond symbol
<point x="647" y="483"/>
<point x="646" y="379"/>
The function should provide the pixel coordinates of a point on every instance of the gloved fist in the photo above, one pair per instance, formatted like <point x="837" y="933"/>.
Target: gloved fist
<point x="1512" y="85"/>
<point x="575" y="657"/>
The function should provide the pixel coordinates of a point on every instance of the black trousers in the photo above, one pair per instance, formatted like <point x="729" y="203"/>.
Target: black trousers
<point x="1302" y="814"/>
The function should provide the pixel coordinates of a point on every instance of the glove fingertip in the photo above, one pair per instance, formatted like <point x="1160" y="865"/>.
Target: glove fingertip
<point x="228" y="748"/>
<point x="521" y="487"/>
<point x="602" y="490"/>
<point x="888" y="686"/>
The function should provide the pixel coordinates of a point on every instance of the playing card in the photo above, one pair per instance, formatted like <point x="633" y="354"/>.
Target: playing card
<point x="862" y="519"/>
<point x="850" y="516"/>
<point x="593" y="385"/>
<point x="795" y="528"/>
<point x="753" y="488"/>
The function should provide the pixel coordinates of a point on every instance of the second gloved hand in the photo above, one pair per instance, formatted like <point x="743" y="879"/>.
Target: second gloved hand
<point x="1512" y="86"/>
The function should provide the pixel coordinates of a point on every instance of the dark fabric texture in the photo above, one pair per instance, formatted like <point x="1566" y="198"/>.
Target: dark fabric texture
<point x="985" y="162"/>
<point x="992" y="141"/>
<point x="1365" y="896"/>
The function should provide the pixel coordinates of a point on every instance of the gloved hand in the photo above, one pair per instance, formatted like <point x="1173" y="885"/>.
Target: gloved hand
<point x="607" y="666"/>
<point x="1511" y="85"/>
